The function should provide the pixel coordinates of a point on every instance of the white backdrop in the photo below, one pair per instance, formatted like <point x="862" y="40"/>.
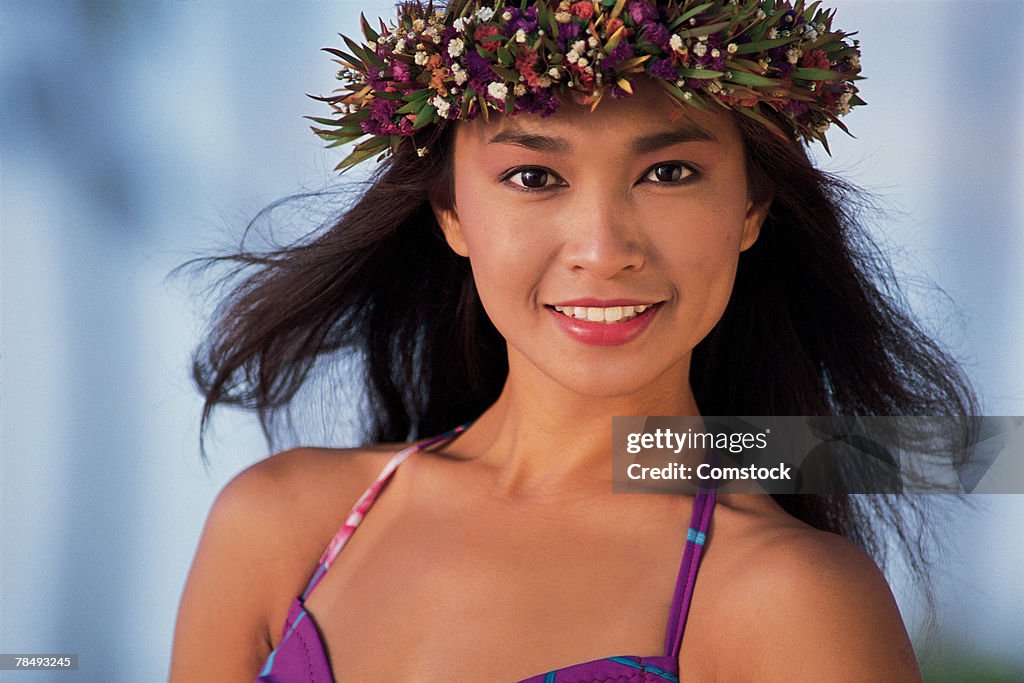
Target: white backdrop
<point x="138" y="134"/>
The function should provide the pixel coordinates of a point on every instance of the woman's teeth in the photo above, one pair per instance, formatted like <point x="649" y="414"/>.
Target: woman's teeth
<point x="615" y="314"/>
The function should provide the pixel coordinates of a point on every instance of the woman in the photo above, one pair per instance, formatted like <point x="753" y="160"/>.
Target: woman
<point x="531" y="267"/>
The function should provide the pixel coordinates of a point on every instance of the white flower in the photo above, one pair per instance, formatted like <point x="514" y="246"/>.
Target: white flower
<point x="793" y="55"/>
<point x="400" y="45"/>
<point x="441" y="105"/>
<point x="519" y="90"/>
<point x="810" y="33"/>
<point x="460" y="24"/>
<point x="418" y="25"/>
<point x="456" y="47"/>
<point x="554" y="73"/>
<point x="731" y="48"/>
<point x="700" y="49"/>
<point x="592" y="42"/>
<point x="422" y="151"/>
<point x="675" y="42"/>
<point x="459" y="74"/>
<point x="485" y="14"/>
<point x="572" y="56"/>
<point x="507" y="16"/>
<point x="520" y="36"/>
<point x="498" y="91"/>
<point x="715" y="53"/>
<point x="563" y="17"/>
<point x="582" y="63"/>
<point x="773" y="33"/>
<point x="579" y="46"/>
<point x="421" y="58"/>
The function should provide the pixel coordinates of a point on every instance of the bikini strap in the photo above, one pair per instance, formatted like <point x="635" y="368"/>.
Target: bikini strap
<point x="696" y="536"/>
<point x="366" y="501"/>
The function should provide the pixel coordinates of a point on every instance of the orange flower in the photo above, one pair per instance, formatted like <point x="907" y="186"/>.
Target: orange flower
<point x="438" y="77"/>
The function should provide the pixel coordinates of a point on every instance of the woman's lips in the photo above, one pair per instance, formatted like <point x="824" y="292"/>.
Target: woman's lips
<point x="609" y="324"/>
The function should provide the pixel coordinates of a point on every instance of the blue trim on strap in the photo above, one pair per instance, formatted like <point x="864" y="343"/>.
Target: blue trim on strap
<point x="656" y="670"/>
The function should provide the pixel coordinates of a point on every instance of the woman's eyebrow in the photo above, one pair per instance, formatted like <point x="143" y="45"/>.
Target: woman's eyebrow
<point x="641" y="145"/>
<point x="660" y="140"/>
<point x="538" y="143"/>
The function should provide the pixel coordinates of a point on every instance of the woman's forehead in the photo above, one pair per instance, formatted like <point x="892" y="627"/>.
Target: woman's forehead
<point x="646" y="120"/>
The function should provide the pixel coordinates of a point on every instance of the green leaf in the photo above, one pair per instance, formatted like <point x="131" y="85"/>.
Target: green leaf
<point x="370" y="34"/>
<point x="505" y="56"/>
<point x="761" y="45"/>
<point x="694" y="100"/>
<point x="410" y="107"/>
<point x="417" y="95"/>
<point x="347" y="58"/>
<point x="685" y="16"/>
<point x="817" y="75"/>
<point x="704" y="30"/>
<point x="368" y="56"/>
<point x="700" y="73"/>
<point x="753" y="80"/>
<point x="426" y="116"/>
<point x="507" y="74"/>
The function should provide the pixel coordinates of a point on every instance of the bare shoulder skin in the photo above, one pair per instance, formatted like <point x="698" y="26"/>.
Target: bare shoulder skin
<point x="780" y="601"/>
<point x="259" y="547"/>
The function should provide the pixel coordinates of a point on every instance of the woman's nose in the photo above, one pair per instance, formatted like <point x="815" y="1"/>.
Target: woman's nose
<point x="602" y="237"/>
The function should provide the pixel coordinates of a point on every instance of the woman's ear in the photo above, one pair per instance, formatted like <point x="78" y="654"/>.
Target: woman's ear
<point x="448" y="219"/>
<point x="757" y="211"/>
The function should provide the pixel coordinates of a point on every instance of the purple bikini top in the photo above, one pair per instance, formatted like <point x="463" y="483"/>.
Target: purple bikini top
<point x="301" y="656"/>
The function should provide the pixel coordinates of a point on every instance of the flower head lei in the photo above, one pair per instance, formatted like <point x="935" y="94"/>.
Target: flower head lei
<point x="772" y="60"/>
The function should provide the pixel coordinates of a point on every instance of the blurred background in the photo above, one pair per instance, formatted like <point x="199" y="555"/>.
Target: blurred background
<point x="137" y="135"/>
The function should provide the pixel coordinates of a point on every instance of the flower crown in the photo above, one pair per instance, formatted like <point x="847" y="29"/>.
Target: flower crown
<point x="771" y="60"/>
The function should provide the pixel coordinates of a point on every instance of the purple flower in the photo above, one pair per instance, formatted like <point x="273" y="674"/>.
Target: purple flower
<point x="665" y="69"/>
<point x="381" y="121"/>
<point x="479" y="69"/>
<point x="566" y="33"/>
<point x="543" y="102"/>
<point x="400" y="71"/>
<point x="642" y="10"/>
<point x="796" y="108"/>
<point x="375" y="77"/>
<point x="658" y="35"/>
<point x="527" y="21"/>
<point x="621" y="53"/>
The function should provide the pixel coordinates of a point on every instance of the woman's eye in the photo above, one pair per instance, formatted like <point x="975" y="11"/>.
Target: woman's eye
<point x="669" y="173"/>
<point x="532" y="178"/>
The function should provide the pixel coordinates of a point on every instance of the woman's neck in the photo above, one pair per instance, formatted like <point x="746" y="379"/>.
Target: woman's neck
<point x="541" y="438"/>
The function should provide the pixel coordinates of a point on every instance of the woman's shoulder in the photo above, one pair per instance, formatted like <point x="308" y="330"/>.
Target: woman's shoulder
<point x="259" y="547"/>
<point x="804" y="602"/>
<point x="299" y="498"/>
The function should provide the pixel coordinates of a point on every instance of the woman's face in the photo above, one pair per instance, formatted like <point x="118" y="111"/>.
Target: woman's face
<point x="603" y="244"/>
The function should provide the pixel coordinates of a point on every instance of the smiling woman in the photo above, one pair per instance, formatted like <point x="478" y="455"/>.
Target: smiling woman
<point x="585" y="209"/>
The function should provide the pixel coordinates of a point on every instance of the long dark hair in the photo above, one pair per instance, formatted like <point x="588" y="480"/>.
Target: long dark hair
<point x="832" y="334"/>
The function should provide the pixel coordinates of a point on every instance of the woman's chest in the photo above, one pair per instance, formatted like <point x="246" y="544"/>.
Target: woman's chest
<point x="493" y="598"/>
